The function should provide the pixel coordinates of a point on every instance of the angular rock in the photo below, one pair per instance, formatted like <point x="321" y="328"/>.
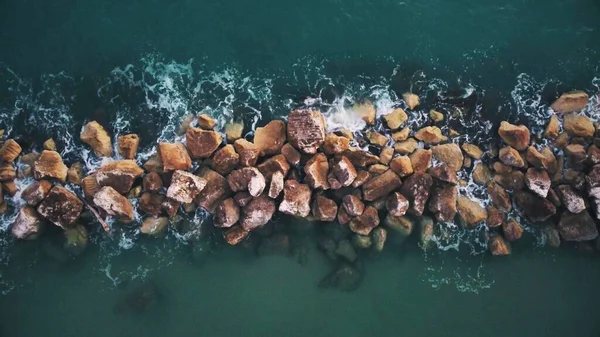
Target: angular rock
<point x="397" y="204"/>
<point x="366" y="111"/>
<point x="541" y="160"/>
<point x="227" y="214"/>
<point x="343" y="217"/>
<point x="152" y="182"/>
<point x="401" y="135"/>
<point x="495" y="217"/>
<point x="61" y="207"/>
<point x="270" y="138"/>
<point x="97" y="138"/>
<point x="395" y="119"/>
<point x="276" y="185"/>
<point x="154" y="164"/>
<point x="185" y="186"/>
<point x="579" y="126"/>
<point x="50" y="165"/>
<point x="170" y="207"/>
<point x="552" y="128"/>
<point x="90" y="186"/>
<point x="577" y="227"/>
<point x="538" y="181"/>
<point x="272" y="165"/>
<point x="402" y="166"/>
<point x="533" y="207"/>
<point x="7" y="172"/>
<point x="151" y="204"/>
<point x="512" y="230"/>
<point x="381" y="186"/>
<point x="201" y="143"/>
<point x="412" y="100"/>
<point x="324" y="209"/>
<point x="316" y="170"/>
<point x="360" y="158"/>
<point x="470" y="211"/>
<point x="420" y="160"/>
<point x="386" y="155"/>
<point x="235" y="235"/>
<point x="571" y="199"/>
<point x="154" y="226"/>
<point x="247" y="151"/>
<point x="36" y="192"/>
<point x="233" y="131"/>
<point x="361" y="241"/>
<point x="257" y="213"/>
<point x="242" y="198"/>
<point x="443" y="202"/>
<point x="225" y="160"/>
<point x="28" y="225"/>
<point x="352" y="205"/>
<point x="9" y="151"/>
<point x="377" y="169"/>
<point x="247" y="179"/>
<point x="75" y="174"/>
<point x="443" y="173"/>
<point x="216" y="189"/>
<point x="499" y="196"/>
<point x="120" y="175"/>
<point x="498" y="246"/>
<point x="114" y="204"/>
<point x="515" y="136"/>
<point x="570" y="102"/>
<point x="343" y="171"/>
<point x="376" y="138"/>
<point x="306" y="130"/>
<point x="450" y="154"/>
<point x="128" y="145"/>
<point x="511" y="157"/>
<point x="576" y="153"/>
<point x="334" y="144"/>
<point x="206" y="122"/>
<point x="513" y="180"/>
<point x="366" y="222"/>
<point x="379" y="236"/>
<point x="361" y="178"/>
<point x="174" y="156"/>
<point x="472" y="150"/>
<point x="406" y="146"/>
<point x="501" y="168"/>
<point x="431" y="135"/>
<point x="400" y="225"/>
<point x="481" y="174"/>
<point x="416" y="190"/>
<point x="296" y="199"/>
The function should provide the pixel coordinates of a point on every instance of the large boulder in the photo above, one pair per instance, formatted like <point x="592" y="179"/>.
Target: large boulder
<point x="316" y="170"/>
<point x="128" y="145"/>
<point x="449" y="154"/>
<point x="97" y="138"/>
<point x="174" y="156"/>
<point x="36" y="192"/>
<point x="120" y="175"/>
<point x="114" y="204"/>
<point x="9" y="151"/>
<point x="61" y="207"/>
<point x="50" y="165"/>
<point x="533" y="207"/>
<point x="577" y="226"/>
<point x="443" y="202"/>
<point x="225" y="160"/>
<point x="431" y="135"/>
<point x="247" y="179"/>
<point x="202" y="143"/>
<point x="416" y="190"/>
<point x="366" y="222"/>
<point x="28" y="225"/>
<point x="470" y="211"/>
<point x="571" y="199"/>
<point x="579" y="126"/>
<point x="381" y="186"/>
<point x="324" y="209"/>
<point x="185" y="186"/>
<point x="296" y="199"/>
<point x="270" y="138"/>
<point x="538" y="181"/>
<point x="272" y="165"/>
<point x="248" y="152"/>
<point x="343" y="171"/>
<point x="257" y="213"/>
<point x="570" y="102"/>
<point x="515" y="136"/>
<point x="227" y="214"/>
<point x="306" y="130"/>
<point x="215" y="190"/>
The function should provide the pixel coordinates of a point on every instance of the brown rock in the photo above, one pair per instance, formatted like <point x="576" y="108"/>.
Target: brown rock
<point x="75" y="174"/>
<point x="366" y="222"/>
<point x="151" y="204"/>
<point x="472" y="150"/>
<point x="541" y="160"/>
<point x="61" y="207"/>
<point x="291" y="154"/>
<point x="154" y="226"/>
<point x="402" y="166"/>
<point x="235" y="235"/>
<point x="512" y="230"/>
<point x="201" y="143"/>
<point x="97" y="138"/>
<point x="276" y="185"/>
<point x="154" y="164"/>
<point x="27" y="225"/>
<point x="247" y="151"/>
<point x="397" y="205"/>
<point x="7" y="172"/>
<point x="377" y="169"/>
<point x="431" y="135"/>
<point x="119" y="175"/>
<point x="345" y="133"/>
<point x="399" y="225"/>
<point x="324" y="209"/>
<point x="225" y="160"/>
<point x="571" y="199"/>
<point x="242" y="198"/>
<point x="343" y="217"/>
<point x="174" y="157"/>
<point x="471" y="211"/>
<point x="538" y="181"/>
<point x="579" y="126"/>
<point x="316" y="170"/>
<point x="562" y="140"/>
<point x="381" y="185"/>
<point x="170" y="206"/>
<point x="9" y="188"/>
<point x="552" y="128"/>
<point x="577" y="227"/>
<point x="343" y="171"/>
<point x="443" y="173"/>
<point x="386" y="155"/>
<point x="467" y="162"/>
<point x="306" y="130"/>
<point x="128" y="145"/>
<point x="416" y="190"/>
<point x="377" y="138"/>
<point x="495" y="217"/>
<point x="352" y="205"/>
<point x="9" y="151"/>
<point x="227" y="214"/>
<point x="420" y="160"/>
<point x="36" y="192"/>
<point x="185" y="186"/>
<point x="360" y="158"/>
<point x="449" y="154"/>
<point x="395" y="119"/>
<point x="233" y="131"/>
<point x="481" y="174"/>
<point x="152" y="182"/>
<point x="570" y="102"/>
<point x="216" y="189"/>
<point x="333" y="144"/>
<point x="114" y="204"/>
<point x="361" y="178"/>
<point x="498" y="247"/>
<point x="406" y="147"/>
<point x="436" y="116"/>
<point x="593" y="154"/>
<point x="512" y="181"/>
<point x="443" y="202"/>
<point x="499" y="197"/>
<point x="412" y="100"/>
<point x="533" y="207"/>
<point x="296" y="199"/>
<point x="401" y="135"/>
<point x="247" y="179"/>
<point x="257" y="213"/>
<point x="29" y="158"/>
<point x="270" y="138"/>
<point x="50" y="165"/>
<point x="90" y="186"/>
<point x="502" y="168"/>
<point x="366" y="111"/>
<point x="515" y="136"/>
<point x="511" y="157"/>
<point x="206" y="122"/>
<point x="272" y="165"/>
<point x="576" y="153"/>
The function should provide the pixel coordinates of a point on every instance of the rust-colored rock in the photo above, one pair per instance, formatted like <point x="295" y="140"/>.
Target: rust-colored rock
<point x="227" y="214"/>
<point x="50" y="165"/>
<point x="512" y="230"/>
<point x="514" y="180"/>
<point x="97" y="138"/>
<point x="291" y="154"/>
<point x="296" y="199"/>
<point x="481" y="174"/>
<point x="443" y="173"/>
<point x="420" y="160"/>
<point x="202" y="143"/>
<point x="397" y="204"/>
<point x="443" y="202"/>
<point x="395" y="119"/>
<point x="257" y="213"/>
<point x="36" y="192"/>
<point x="316" y="170"/>
<point x="174" y="156"/>
<point x="381" y="186"/>
<point x="306" y="130"/>
<point x="352" y="205"/>
<point x="75" y="174"/>
<point x="571" y="199"/>
<point x="90" y="186"/>
<point x="377" y="169"/>
<point x="272" y="165"/>
<point x="515" y="136"/>
<point x="579" y="126"/>
<point x="247" y="179"/>
<point x="247" y="151"/>
<point x="360" y="158"/>
<point x="406" y="147"/>
<point x="552" y="128"/>
<point x="495" y="217"/>
<point x="401" y="135"/>
<point x="206" y="122"/>
<point x="128" y="145"/>
<point x="185" y="186"/>
<point x="151" y="204"/>
<point x="334" y="144"/>
<point x="242" y="198"/>
<point x="324" y="209"/>
<point x="9" y="151"/>
<point x="361" y="178"/>
<point x="499" y="197"/>
<point x="233" y="131"/>
<point x="570" y="102"/>
<point x="28" y="225"/>
<point x="235" y="235"/>
<point x="576" y="153"/>
<point x="152" y="182"/>
<point x="416" y="189"/>
<point x="511" y="157"/>
<point x="343" y="217"/>
<point x="470" y="211"/>
<point x="430" y="135"/>
<point x="61" y="207"/>
<point x="119" y="175"/>
<point x="225" y="160"/>
<point x="154" y="164"/>
<point x="7" y="172"/>
<point x="170" y="207"/>
<point x="538" y="181"/>
<point x="533" y="207"/>
<point x="472" y="150"/>
<point x="342" y="171"/>
<point x="366" y="222"/>
<point x="541" y="160"/>
<point x="114" y="204"/>
<point x="498" y="246"/>
<point x="577" y="227"/>
<point x="402" y="166"/>
<point x="216" y="189"/>
<point x="450" y="154"/>
<point x="376" y="138"/>
<point x="270" y="138"/>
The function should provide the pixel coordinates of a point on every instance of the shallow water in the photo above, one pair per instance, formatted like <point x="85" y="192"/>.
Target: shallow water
<point x="140" y="66"/>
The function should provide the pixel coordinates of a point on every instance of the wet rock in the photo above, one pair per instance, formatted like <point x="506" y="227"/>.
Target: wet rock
<point x="201" y="143"/>
<point x="436" y="116"/>
<point x="306" y="130"/>
<point x="9" y="151"/>
<point x="412" y="100"/>
<point x="538" y="181"/>
<point x="9" y="188"/>
<point x="152" y="182"/>
<point x="401" y="135"/>
<point x="431" y="135"/>
<point x="395" y="119"/>
<point x="206" y="122"/>
<point x="376" y="138"/>
<point x="7" y="172"/>
<point x="499" y="196"/>
<point x="247" y="179"/>
<point x="50" y="165"/>
<point x="28" y="225"/>
<point x="364" y="223"/>
<point x="512" y="230"/>
<point x="402" y="166"/>
<point x="552" y="128"/>
<point x="593" y="154"/>
<point x="343" y="217"/>
<point x="570" y="102"/>
<point x="577" y="227"/>
<point x="233" y="131"/>
<point x="345" y="250"/>
<point x="333" y="144"/>
<point x="344" y="278"/>
<point x="75" y="174"/>
<point x="90" y="186"/>
<point x="97" y="138"/>
<point x="225" y="160"/>
<point x="381" y="186"/>
<point x="361" y="241"/>
<point x="272" y="165"/>
<point x="216" y="189"/>
<point x="379" y="236"/>
<point x="185" y="186"/>
<point x="76" y="239"/>
<point x="406" y="146"/>
<point x="562" y="140"/>
<point x="227" y="214"/>
<point x="400" y="225"/>
<point x="579" y="126"/>
<point x="426" y="233"/>
<point x="61" y="207"/>
<point x="352" y="205"/>
<point x="170" y="207"/>
<point x="552" y="236"/>
<point x="450" y="154"/>
<point x="397" y="204"/>
<point x="498" y="246"/>
<point x="242" y="198"/>
<point x="235" y="235"/>
<point x="513" y="180"/>
<point x="343" y="171"/>
<point x="154" y="164"/>
<point x="571" y="199"/>
<point x="472" y="150"/>
<point x="502" y="168"/>
<point x="511" y="157"/>
<point x="276" y="185"/>
<point x="443" y="202"/>
<point x="174" y="156"/>
<point x="270" y="138"/>
<point x="36" y="192"/>
<point x="317" y="169"/>
<point x="533" y="207"/>
<point x="154" y="226"/>
<point x="420" y="160"/>
<point x="495" y="217"/>
<point x="416" y="190"/>
<point x="360" y="158"/>
<point x="324" y="209"/>
<point x="120" y="175"/>
<point x="576" y="153"/>
<point x="366" y="111"/>
<point x="128" y="145"/>
<point x="361" y="178"/>
<point x="515" y="136"/>
<point x="247" y="151"/>
<point x="151" y="204"/>
<point x="443" y="173"/>
<point x="377" y="169"/>
<point x="386" y="155"/>
<point x="185" y="124"/>
<point x="541" y="160"/>
<point x="296" y="199"/>
<point x="470" y="211"/>
<point x="257" y="213"/>
<point x="114" y="204"/>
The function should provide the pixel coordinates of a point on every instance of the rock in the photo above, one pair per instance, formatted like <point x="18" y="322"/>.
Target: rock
<point x="376" y="138"/>
<point x="272" y="165"/>
<point x="97" y="138"/>
<point x="227" y="214"/>
<point x="333" y="144"/>
<point x="436" y="116"/>
<point x="360" y="158"/>
<point x="416" y="190"/>
<point x="75" y="174"/>
<point x="472" y="150"/>
<point x="552" y="128"/>
<point x="470" y="211"/>
<point x="151" y="204"/>
<point x="257" y="213"/>
<point x="562" y="140"/>
<point x="579" y="126"/>
<point x="502" y="168"/>
<point x="170" y="206"/>
<point x="481" y="174"/>
<point x="495" y="217"/>
<point x="216" y="189"/>
<point x="499" y="196"/>
<point x="352" y="205"/>
<point x="343" y="217"/>
<point x="29" y="158"/>
<point x="185" y="186"/>
<point x="50" y="165"/>
<point x="361" y="178"/>
<point x="514" y="136"/>
<point x="247" y="179"/>
<point x="154" y="226"/>
<point x="225" y="160"/>
<point x="202" y="143"/>
<point x="36" y="192"/>
<point x="206" y="122"/>
<point x="406" y="147"/>
<point x="397" y="205"/>
<point x="152" y="182"/>
<point x="449" y="154"/>
<point x="577" y="227"/>
<point x="552" y="236"/>
<point x="593" y="154"/>
<point x="346" y="133"/>
<point x="570" y="102"/>
<point x="426" y="235"/>
<point x="185" y="124"/>
<point x="511" y="157"/>
<point x="401" y="135"/>
<point x="242" y="198"/>
<point x="361" y="241"/>
<point x="296" y="199"/>
<point x="316" y="170"/>
<point x="61" y="207"/>
<point x="306" y="130"/>
<point x="402" y="166"/>
<point x="512" y="230"/>
<point x="420" y="160"/>
<point x="128" y="145"/>
<point x="174" y="156"/>
<point x="154" y="164"/>
<point x="443" y="202"/>
<point x="120" y="175"/>
<point x="233" y="131"/>
<point x="498" y="246"/>
<point x="343" y="171"/>
<point x="76" y="239"/>
<point x="395" y="119"/>
<point x="533" y="207"/>
<point x="7" y="172"/>
<point x="9" y="188"/>
<point x="27" y="225"/>
<point x="324" y="209"/>
<point x="386" y="155"/>
<point x="90" y="186"/>
<point x="270" y="138"/>
<point x="541" y="160"/>
<point x="247" y="151"/>
<point x="9" y="151"/>
<point x="412" y="100"/>
<point x="431" y="135"/>
<point x="235" y="235"/>
<point x="344" y="278"/>
<point x="379" y="236"/>
<point x="576" y="153"/>
<point x="366" y="111"/>
<point x="381" y="185"/>
<point x="364" y="223"/>
<point x="276" y="185"/>
<point x="114" y="204"/>
<point x="401" y="225"/>
<point x="538" y="181"/>
<point x="443" y="173"/>
<point x="291" y="154"/>
<point x="571" y="199"/>
<point x="512" y="181"/>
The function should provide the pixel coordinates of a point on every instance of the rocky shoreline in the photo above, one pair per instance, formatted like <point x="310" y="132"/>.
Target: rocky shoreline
<point x="405" y="181"/>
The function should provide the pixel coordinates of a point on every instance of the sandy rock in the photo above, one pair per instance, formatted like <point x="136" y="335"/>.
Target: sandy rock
<point x="420" y="160"/>
<point x="436" y="116"/>
<point x="552" y="128"/>
<point x="376" y="138"/>
<point x="202" y="143"/>
<point x="233" y="131"/>
<point x="247" y="179"/>
<point x="316" y="170"/>
<point x="75" y="174"/>
<point x="515" y="136"/>
<point x="352" y="205"/>
<point x="154" y="226"/>
<point x="579" y="126"/>
<point x="381" y="186"/>
<point x="386" y="155"/>
<point x="206" y="122"/>
<point x="538" y="181"/>
<point x="185" y="186"/>
<point x="450" y="154"/>
<point x="498" y="246"/>
<point x="570" y="102"/>
<point x="416" y="189"/>
<point x="128" y="145"/>
<point x="225" y="160"/>
<point x="512" y="230"/>
<point x="444" y="174"/>
<point x="360" y="158"/>
<point x="97" y="138"/>
<point x="495" y="217"/>
<point x="514" y="180"/>
<point x="402" y="166"/>
<point x="366" y="222"/>
<point x="36" y="192"/>
<point x="29" y="158"/>
<point x="216" y="189"/>
<point x="272" y="165"/>
<point x="247" y="151"/>
<point x="270" y="138"/>
<point x="412" y="100"/>
<point x="431" y="135"/>
<point x="443" y="202"/>
<point x="541" y="160"/>
<point x="152" y="182"/>
<point x="533" y="207"/>
<point x="401" y="135"/>
<point x="8" y="188"/>
<point x="472" y="150"/>
<point x="366" y="111"/>
<point x="114" y="204"/>
<point x="296" y="199"/>
<point x="28" y="225"/>
<point x="571" y="199"/>
<point x="324" y="209"/>
<point x="120" y="175"/>
<point x="306" y="130"/>
<point x="257" y="213"/>
<point x="502" y="168"/>
<point x="511" y="157"/>
<point x="562" y="140"/>
<point x="227" y="214"/>
<point x="276" y="185"/>
<point x="395" y="119"/>
<point x="50" y="165"/>
<point x="7" y="172"/>
<point x="346" y="133"/>
<point x="61" y="207"/>
<point x="481" y="174"/>
<point x="577" y="227"/>
<point x="235" y="235"/>
<point x="499" y="197"/>
<point x="174" y="157"/>
<point x="151" y="204"/>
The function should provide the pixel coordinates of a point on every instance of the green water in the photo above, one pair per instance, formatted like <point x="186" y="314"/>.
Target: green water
<point x="62" y="60"/>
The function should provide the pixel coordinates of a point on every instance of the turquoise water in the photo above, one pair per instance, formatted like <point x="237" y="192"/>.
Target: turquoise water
<point x="140" y="66"/>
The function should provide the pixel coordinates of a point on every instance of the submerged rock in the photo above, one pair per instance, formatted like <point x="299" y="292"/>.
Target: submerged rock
<point x="570" y="102"/>
<point x="154" y="226"/>
<point x="344" y="278"/>
<point x="498" y="246"/>
<point x="512" y="230"/>
<point x="185" y="186"/>
<point x="76" y="239"/>
<point x="119" y="175"/>
<point x="235" y="235"/>
<point x="306" y="130"/>
<point x="296" y="199"/>
<point x="61" y="207"/>
<point x="28" y="225"/>
<point x="206" y="122"/>
<point x="379" y="236"/>
<point x="97" y="138"/>
<point x="114" y="204"/>
<point x="577" y="226"/>
<point x="50" y="165"/>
